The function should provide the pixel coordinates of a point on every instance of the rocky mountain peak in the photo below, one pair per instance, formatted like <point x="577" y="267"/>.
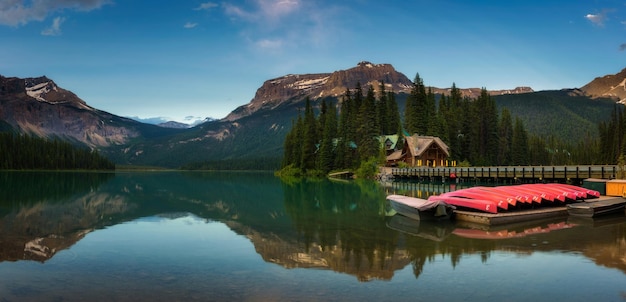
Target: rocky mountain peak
<point x="292" y="87"/>
<point x="39" y="107"/>
<point x="9" y="86"/>
<point x="611" y="86"/>
<point x="45" y="90"/>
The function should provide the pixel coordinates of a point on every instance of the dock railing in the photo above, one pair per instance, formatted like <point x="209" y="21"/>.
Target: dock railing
<point x="509" y="172"/>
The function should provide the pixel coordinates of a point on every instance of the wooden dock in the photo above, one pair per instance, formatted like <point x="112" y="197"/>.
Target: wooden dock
<point x="506" y="173"/>
<point x="593" y="208"/>
<point x="510" y="217"/>
<point x="590" y="208"/>
<point x="341" y="174"/>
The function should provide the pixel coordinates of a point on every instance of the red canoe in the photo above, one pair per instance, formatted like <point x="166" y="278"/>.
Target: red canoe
<point x="590" y="193"/>
<point x="477" y="194"/>
<point x="476" y="204"/>
<point x="520" y="197"/>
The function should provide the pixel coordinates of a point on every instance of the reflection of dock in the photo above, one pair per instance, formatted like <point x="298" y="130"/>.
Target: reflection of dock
<point x="431" y="230"/>
<point x="515" y="230"/>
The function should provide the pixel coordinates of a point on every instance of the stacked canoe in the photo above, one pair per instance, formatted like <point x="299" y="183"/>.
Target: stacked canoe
<point x="516" y="197"/>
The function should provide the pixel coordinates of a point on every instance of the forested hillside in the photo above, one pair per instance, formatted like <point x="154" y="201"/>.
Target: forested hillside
<point x="21" y="152"/>
<point x="479" y="131"/>
<point x="562" y="114"/>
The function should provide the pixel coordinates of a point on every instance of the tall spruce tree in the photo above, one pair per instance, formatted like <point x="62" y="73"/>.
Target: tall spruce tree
<point x="329" y="133"/>
<point x="505" y="138"/>
<point x="382" y="110"/>
<point x="519" y="154"/>
<point x="430" y="113"/>
<point x="413" y="111"/>
<point x="310" y="138"/>
<point x="344" y="158"/>
<point x="452" y="113"/>
<point x="393" y="120"/>
<point x="367" y="134"/>
<point x="484" y="140"/>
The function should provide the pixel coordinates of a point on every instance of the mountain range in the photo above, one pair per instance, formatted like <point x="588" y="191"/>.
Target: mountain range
<point x="253" y="134"/>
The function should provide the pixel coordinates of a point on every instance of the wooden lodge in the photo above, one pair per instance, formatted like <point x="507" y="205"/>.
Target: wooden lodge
<point x="417" y="151"/>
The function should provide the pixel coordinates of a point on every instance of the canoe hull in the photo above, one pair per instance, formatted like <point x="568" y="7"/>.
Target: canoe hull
<point x="420" y="209"/>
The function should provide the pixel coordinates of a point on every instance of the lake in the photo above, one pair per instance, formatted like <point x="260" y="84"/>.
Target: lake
<point x="201" y="236"/>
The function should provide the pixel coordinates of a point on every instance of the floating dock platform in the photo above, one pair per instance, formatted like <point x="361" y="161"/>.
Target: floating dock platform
<point x="511" y="217"/>
<point x="591" y="208"/>
<point x="596" y="208"/>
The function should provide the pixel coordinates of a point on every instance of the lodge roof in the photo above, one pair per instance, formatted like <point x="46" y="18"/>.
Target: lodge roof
<point x="393" y="139"/>
<point x="417" y="144"/>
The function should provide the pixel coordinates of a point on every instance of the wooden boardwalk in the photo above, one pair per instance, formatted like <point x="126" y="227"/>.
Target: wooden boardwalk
<point x="506" y="173"/>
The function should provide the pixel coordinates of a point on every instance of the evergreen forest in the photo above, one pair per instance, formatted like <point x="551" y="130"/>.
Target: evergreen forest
<point x="346" y="134"/>
<point x="25" y="152"/>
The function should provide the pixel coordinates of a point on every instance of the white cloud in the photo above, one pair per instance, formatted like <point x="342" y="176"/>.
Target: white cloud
<point x="20" y="12"/>
<point x="600" y="18"/>
<point x="277" y="8"/>
<point x="265" y="10"/>
<point x="596" y="19"/>
<point x="55" y="28"/>
<point x="270" y="45"/>
<point x="190" y="25"/>
<point x="206" y="6"/>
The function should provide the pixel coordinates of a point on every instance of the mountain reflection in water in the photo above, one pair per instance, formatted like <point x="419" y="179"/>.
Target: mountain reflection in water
<point x="346" y="227"/>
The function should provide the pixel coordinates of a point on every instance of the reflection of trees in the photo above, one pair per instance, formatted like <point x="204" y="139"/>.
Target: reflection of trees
<point x="46" y="212"/>
<point x="344" y="216"/>
<point x="28" y="187"/>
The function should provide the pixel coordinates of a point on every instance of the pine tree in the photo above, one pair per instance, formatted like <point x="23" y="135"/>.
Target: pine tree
<point x="327" y="151"/>
<point x="394" y="124"/>
<point x="430" y="114"/>
<point x="382" y="109"/>
<point x="288" y="147"/>
<point x="310" y="138"/>
<point x="343" y="158"/>
<point x="415" y="116"/>
<point x="520" y="151"/>
<point x="452" y="112"/>
<point x="505" y="137"/>
<point x="484" y="142"/>
<point x="367" y="133"/>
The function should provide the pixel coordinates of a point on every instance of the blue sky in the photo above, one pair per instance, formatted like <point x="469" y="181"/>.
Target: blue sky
<point x="205" y="58"/>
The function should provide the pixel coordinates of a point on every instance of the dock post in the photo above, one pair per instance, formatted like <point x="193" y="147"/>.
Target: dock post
<point x="602" y="172"/>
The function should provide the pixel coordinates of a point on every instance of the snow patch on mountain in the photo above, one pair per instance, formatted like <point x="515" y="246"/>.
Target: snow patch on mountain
<point x="307" y="85"/>
<point x="40" y="89"/>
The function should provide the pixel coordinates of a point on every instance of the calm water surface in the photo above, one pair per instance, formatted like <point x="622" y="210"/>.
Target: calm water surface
<point x="173" y="236"/>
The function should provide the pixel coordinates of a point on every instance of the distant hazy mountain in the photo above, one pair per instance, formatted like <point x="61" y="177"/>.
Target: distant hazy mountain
<point x="190" y="121"/>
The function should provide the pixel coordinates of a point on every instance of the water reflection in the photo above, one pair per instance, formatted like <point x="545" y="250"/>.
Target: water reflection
<point x="346" y="227"/>
<point x="43" y="213"/>
<point x="341" y="226"/>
